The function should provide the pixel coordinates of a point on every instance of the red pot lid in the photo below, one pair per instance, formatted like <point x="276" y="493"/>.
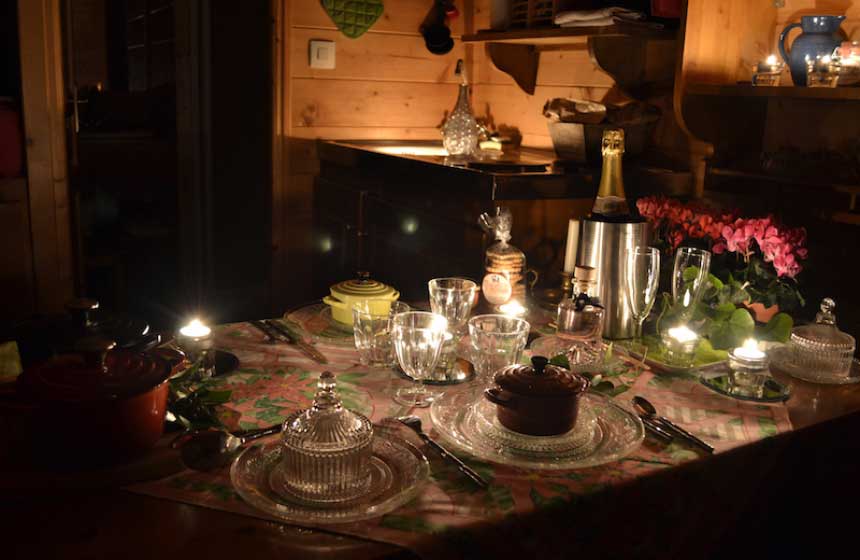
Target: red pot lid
<point x="541" y="379"/>
<point x="98" y="373"/>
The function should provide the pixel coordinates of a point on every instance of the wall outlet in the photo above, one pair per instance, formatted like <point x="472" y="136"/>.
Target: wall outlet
<point x="321" y="54"/>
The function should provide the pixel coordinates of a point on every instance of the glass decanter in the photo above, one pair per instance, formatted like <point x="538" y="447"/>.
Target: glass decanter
<point x="821" y="347"/>
<point x="327" y="449"/>
<point x="460" y="131"/>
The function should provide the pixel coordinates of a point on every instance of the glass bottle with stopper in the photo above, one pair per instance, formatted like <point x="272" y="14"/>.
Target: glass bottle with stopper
<point x="460" y="131"/>
<point x="611" y="205"/>
<point x="327" y="449"/>
<point x="504" y="264"/>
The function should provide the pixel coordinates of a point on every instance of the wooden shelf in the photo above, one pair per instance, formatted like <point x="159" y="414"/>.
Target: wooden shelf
<point x="557" y="36"/>
<point x="785" y="92"/>
<point x="840" y="185"/>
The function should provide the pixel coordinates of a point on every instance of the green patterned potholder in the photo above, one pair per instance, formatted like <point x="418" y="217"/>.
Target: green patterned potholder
<point x="353" y="17"/>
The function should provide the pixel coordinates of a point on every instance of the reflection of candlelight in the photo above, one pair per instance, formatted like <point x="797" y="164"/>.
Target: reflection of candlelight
<point x="682" y="334"/>
<point x="749" y="351"/>
<point x="512" y="309"/>
<point x="195" y="329"/>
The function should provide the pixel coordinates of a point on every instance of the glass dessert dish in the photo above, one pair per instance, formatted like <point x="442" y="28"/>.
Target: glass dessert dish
<point x="820" y="352"/>
<point x="327" y="449"/>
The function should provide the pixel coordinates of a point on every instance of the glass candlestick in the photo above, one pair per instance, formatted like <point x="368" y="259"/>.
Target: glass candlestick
<point x="196" y="340"/>
<point x="767" y="72"/>
<point x="822" y="71"/>
<point x="680" y="343"/>
<point x="749" y="370"/>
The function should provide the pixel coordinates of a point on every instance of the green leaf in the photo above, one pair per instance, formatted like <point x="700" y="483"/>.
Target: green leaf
<point x="724" y="311"/>
<point x="215" y="397"/>
<point x="690" y="273"/>
<point x="732" y="333"/>
<point x="778" y="329"/>
<point x="706" y="354"/>
<point x="561" y="361"/>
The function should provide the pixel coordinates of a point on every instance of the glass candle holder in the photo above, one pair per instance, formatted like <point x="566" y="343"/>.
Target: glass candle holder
<point x="680" y="343"/>
<point x="822" y="71"/>
<point x="196" y="341"/>
<point x="749" y="370"/>
<point x="767" y="72"/>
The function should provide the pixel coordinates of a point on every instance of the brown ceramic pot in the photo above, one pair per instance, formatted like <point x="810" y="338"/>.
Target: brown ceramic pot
<point x="99" y="405"/>
<point x="537" y="400"/>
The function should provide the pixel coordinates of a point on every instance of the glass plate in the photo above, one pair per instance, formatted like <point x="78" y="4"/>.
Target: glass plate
<point x="781" y="359"/>
<point x="399" y="471"/>
<point x="318" y="325"/>
<point x="604" y="433"/>
<point x="591" y="360"/>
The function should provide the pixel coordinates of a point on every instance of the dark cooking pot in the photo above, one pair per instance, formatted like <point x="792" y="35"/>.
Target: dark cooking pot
<point x="537" y="400"/>
<point x="45" y="337"/>
<point x="99" y="405"/>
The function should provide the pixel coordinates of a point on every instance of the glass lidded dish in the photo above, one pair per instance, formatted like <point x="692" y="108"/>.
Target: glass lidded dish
<point x="821" y="346"/>
<point x="327" y="449"/>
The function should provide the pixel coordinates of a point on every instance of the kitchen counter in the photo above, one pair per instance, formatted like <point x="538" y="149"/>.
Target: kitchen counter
<point x="530" y="174"/>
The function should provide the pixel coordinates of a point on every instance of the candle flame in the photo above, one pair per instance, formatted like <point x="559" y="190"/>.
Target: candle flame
<point x="513" y="308"/>
<point x="682" y="333"/>
<point x="771" y="60"/>
<point x="751" y="344"/>
<point x="195" y="329"/>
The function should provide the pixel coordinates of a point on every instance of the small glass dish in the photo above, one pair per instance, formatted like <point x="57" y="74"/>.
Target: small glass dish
<point x="821" y="346"/>
<point x="767" y="72"/>
<point x="327" y="449"/>
<point x="823" y="71"/>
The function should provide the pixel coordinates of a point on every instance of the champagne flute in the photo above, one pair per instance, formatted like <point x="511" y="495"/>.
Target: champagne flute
<point x="689" y="277"/>
<point x="417" y="337"/>
<point x="643" y="275"/>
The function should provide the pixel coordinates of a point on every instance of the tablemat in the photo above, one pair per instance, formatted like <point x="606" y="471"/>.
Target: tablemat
<point x="274" y="380"/>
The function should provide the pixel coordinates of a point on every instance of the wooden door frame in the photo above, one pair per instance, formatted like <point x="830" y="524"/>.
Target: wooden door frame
<point x="280" y="146"/>
<point x="43" y="103"/>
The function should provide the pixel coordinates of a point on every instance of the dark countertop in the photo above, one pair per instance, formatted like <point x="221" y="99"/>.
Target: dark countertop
<point x="530" y="174"/>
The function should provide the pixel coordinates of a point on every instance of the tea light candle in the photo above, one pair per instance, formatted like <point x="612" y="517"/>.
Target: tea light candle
<point x="195" y="330"/>
<point x="749" y="350"/>
<point x="513" y="308"/>
<point x="680" y="345"/>
<point x="770" y="64"/>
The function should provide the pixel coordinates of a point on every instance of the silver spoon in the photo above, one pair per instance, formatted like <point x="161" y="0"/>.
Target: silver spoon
<point x="414" y="423"/>
<point x="644" y="407"/>
<point x="205" y="450"/>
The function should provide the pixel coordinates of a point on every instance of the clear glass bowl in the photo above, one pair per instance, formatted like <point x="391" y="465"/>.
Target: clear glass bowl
<point x="327" y="450"/>
<point x="821" y="347"/>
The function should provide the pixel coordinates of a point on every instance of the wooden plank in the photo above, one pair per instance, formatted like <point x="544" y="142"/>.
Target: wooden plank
<point x="368" y="103"/>
<point x="368" y="133"/>
<point x="510" y="106"/>
<point x="375" y="56"/>
<point x="563" y="35"/>
<point x="785" y="92"/>
<point x="43" y="103"/>
<point x="557" y="68"/>
<point x="400" y="16"/>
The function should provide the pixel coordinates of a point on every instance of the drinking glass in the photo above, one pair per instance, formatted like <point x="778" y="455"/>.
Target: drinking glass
<point x="643" y="276"/>
<point x="373" y="331"/>
<point x="497" y="341"/>
<point x="689" y="278"/>
<point x="417" y="337"/>
<point x="452" y="298"/>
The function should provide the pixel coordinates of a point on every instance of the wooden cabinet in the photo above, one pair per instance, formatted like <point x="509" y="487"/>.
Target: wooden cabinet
<point x="16" y="256"/>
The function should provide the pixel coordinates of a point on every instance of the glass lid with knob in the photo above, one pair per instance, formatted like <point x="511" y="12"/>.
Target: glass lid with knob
<point x="823" y="335"/>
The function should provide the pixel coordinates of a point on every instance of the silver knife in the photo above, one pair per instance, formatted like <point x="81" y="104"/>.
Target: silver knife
<point x="306" y="348"/>
<point x="656" y="429"/>
<point x="684" y="434"/>
<point x="270" y="336"/>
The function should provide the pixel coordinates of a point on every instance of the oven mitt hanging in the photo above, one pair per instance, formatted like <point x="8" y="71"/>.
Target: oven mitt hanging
<point x="353" y="17"/>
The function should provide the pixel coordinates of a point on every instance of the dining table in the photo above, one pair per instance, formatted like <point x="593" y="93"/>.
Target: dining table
<point x="766" y="487"/>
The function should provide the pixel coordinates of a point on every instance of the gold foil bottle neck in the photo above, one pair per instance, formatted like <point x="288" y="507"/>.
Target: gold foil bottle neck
<point x="613" y="141"/>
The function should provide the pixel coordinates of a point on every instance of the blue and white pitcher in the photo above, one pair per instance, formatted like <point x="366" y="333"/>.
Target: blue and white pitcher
<point x="820" y="36"/>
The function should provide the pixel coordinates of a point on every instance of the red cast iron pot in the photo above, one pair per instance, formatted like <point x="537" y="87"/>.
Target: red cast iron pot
<point x="96" y="406"/>
<point x="537" y="400"/>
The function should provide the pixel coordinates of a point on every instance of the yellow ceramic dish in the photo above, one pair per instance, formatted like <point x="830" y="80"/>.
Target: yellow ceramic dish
<point x="346" y="294"/>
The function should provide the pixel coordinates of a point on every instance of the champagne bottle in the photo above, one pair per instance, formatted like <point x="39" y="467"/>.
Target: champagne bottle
<point x="611" y="203"/>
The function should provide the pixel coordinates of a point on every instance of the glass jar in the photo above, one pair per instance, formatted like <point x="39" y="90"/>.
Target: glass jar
<point x="328" y="449"/>
<point x="821" y="347"/>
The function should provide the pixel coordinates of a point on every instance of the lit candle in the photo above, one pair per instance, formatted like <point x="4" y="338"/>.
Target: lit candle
<point x="749" y="351"/>
<point x="512" y="309"/>
<point x="771" y="61"/>
<point x="195" y="329"/>
<point x="682" y="334"/>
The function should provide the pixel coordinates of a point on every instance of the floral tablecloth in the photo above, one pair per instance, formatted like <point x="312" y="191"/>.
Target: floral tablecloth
<point x="275" y="380"/>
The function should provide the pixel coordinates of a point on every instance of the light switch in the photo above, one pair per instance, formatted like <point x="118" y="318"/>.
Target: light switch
<point x="321" y="54"/>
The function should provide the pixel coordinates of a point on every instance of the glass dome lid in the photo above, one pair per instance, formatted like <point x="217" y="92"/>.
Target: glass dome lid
<point x="823" y="334"/>
<point x="327" y="426"/>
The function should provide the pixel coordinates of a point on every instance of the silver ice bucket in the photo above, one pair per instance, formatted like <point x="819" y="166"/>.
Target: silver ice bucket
<point x="603" y="245"/>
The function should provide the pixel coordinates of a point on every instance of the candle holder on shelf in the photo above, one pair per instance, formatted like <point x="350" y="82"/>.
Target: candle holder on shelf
<point x="680" y="343"/>
<point x="823" y="71"/>
<point x="767" y="72"/>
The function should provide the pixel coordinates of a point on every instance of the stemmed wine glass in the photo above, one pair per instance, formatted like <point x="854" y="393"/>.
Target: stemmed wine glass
<point x="417" y="337"/>
<point x="689" y="277"/>
<point x="643" y="276"/>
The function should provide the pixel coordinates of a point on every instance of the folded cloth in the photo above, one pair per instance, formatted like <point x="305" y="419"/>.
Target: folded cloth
<point x="612" y="21"/>
<point x="593" y="16"/>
